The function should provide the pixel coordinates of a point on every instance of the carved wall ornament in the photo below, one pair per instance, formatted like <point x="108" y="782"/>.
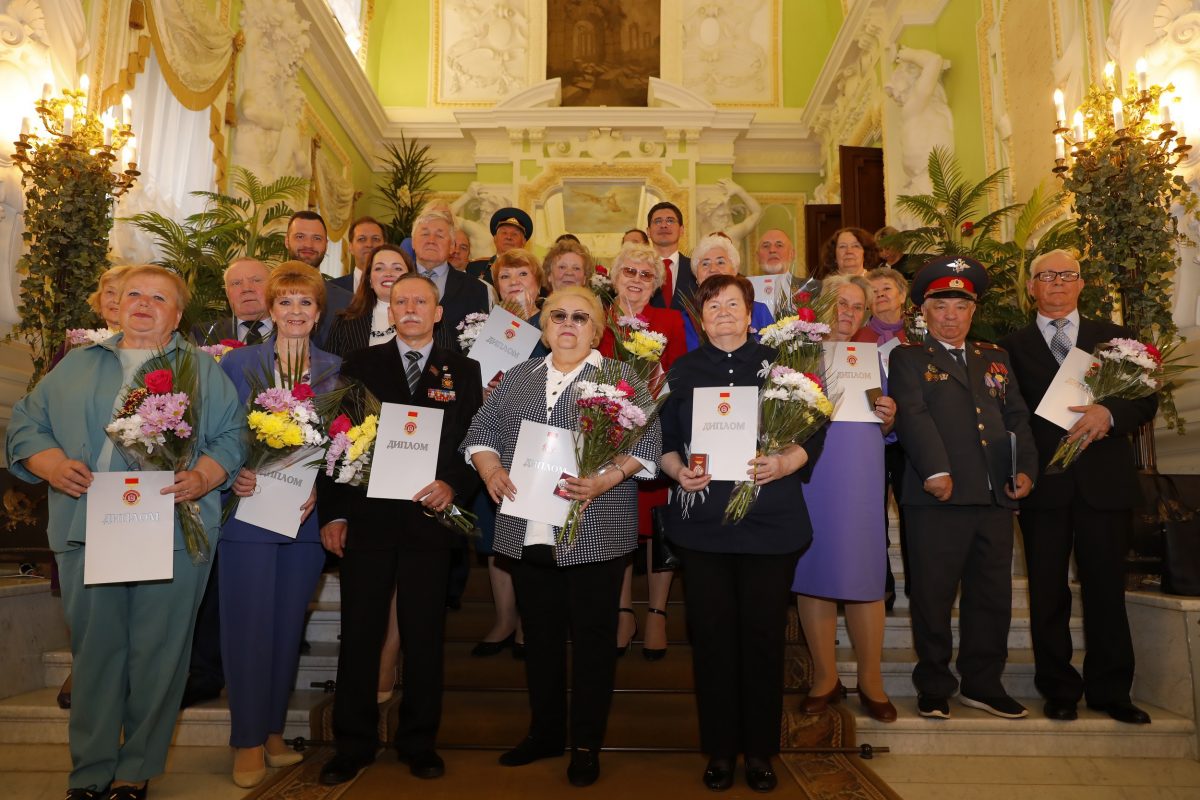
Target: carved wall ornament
<point x="730" y="50"/>
<point x="924" y="116"/>
<point x="482" y="50"/>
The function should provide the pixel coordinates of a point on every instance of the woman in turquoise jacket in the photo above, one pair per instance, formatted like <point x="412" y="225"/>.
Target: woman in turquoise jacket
<point x="129" y="641"/>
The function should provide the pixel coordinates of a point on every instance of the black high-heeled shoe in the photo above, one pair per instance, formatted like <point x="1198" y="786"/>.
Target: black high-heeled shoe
<point x="485" y="648"/>
<point x="654" y="654"/>
<point x="628" y="645"/>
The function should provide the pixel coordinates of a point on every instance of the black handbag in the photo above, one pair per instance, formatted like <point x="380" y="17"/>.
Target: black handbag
<point x="663" y="557"/>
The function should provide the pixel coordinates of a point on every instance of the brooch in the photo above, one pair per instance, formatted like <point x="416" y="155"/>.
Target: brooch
<point x="996" y="379"/>
<point x="933" y="374"/>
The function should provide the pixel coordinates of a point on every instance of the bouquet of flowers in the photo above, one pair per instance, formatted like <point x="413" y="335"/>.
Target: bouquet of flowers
<point x="1124" y="369"/>
<point x="602" y="286"/>
<point x="789" y="303"/>
<point x="218" y="351"/>
<point x="640" y="348"/>
<point x="798" y="337"/>
<point x="610" y="423"/>
<point x="152" y="429"/>
<point x="792" y="407"/>
<point x="78" y="336"/>
<point x="469" y="330"/>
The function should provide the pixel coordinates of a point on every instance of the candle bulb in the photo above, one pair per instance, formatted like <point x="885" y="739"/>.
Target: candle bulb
<point x="1080" y="134"/>
<point x="131" y="150"/>
<point x="1118" y="111"/>
<point x="1110" y="71"/>
<point x="1143" y="82"/>
<point x="84" y="84"/>
<point x="68" y="126"/>
<point x="47" y="91"/>
<point x="26" y="128"/>
<point x="1060" y="149"/>
<point x="1164" y="112"/>
<point x="1060" y="111"/>
<point x="108" y="129"/>
<point x="126" y="109"/>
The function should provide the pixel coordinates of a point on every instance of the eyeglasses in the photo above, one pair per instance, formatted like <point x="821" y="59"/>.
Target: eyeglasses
<point x="1048" y="276"/>
<point x="577" y="318"/>
<point x="657" y="221"/>
<point x="630" y="272"/>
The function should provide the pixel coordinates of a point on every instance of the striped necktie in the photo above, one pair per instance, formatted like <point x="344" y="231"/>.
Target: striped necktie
<point x="253" y="331"/>
<point x="413" y="370"/>
<point x="1060" y="344"/>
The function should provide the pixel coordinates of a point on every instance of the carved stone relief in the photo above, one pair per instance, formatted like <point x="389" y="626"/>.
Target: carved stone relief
<point x="483" y="50"/>
<point x="730" y="52"/>
<point x="924" y="117"/>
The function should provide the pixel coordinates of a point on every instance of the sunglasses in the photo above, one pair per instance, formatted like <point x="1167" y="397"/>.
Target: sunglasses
<point x="630" y="272"/>
<point x="577" y="318"/>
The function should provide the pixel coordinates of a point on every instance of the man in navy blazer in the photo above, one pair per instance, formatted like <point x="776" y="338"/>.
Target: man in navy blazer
<point x="432" y="238"/>
<point x="365" y="234"/>
<point x="397" y="545"/>
<point x="1086" y="509"/>
<point x="664" y="224"/>
<point x="307" y="240"/>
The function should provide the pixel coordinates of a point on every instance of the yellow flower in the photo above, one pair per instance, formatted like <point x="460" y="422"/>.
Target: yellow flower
<point x="275" y="429"/>
<point x="647" y="348"/>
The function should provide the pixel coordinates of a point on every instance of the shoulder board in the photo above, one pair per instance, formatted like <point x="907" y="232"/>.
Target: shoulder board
<point x="989" y="346"/>
<point x="911" y="344"/>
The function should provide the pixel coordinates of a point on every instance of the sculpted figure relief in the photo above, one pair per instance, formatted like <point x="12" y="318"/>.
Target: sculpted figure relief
<point x="720" y="213"/>
<point x="925" y="118"/>
<point x="473" y="211"/>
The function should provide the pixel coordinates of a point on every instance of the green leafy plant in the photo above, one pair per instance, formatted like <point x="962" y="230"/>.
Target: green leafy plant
<point x="1123" y="187"/>
<point x="405" y="186"/>
<point x="230" y="226"/>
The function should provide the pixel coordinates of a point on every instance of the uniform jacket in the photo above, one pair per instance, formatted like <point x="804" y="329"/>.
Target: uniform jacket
<point x="946" y="424"/>
<point x="402" y="524"/>
<point x="1104" y="474"/>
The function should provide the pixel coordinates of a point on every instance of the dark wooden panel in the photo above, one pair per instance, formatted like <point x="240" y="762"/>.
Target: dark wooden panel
<point x="820" y="222"/>
<point x="862" y="187"/>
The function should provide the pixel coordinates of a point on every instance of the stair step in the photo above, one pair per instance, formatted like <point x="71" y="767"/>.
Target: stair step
<point x="970" y="731"/>
<point x="897" y="666"/>
<point x="897" y="633"/>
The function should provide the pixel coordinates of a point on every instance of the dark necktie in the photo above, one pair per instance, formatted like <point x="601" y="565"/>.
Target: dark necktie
<point x="668" y="286"/>
<point x="253" y="331"/>
<point x="1060" y="344"/>
<point x="960" y="360"/>
<point x="413" y="370"/>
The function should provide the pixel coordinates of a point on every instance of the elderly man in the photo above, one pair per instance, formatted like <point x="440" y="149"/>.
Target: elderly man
<point x="959" y="416"/>
<point x="664" y="224"/>
<point x="246" y="291"/>
<point x="306" y="240"/>
<point x="398" y="546"/>
<point x="511" y="227"/>
<point x="775" y="253"/>
<point x="1086" y="509"/>
<point x="432" y="236"/>
<point x="365" y="234"/>
<point x="460" y="253"/>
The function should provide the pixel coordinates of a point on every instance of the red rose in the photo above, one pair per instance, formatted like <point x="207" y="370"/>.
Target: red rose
<point x="601" y="269"/>
<point x="233" y="344"/>
<point x="806" y="314"/>
<point x="341" y="424"/>
<point x="159" y="381"/>
<point x="1154" y="353"/>
<point x="625" y="388"/>
<point x="803" y="297"/>
<point x="302" y="392"/>
<point x="968" y="228"/>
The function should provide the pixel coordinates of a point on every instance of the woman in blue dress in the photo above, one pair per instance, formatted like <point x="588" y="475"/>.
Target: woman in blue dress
<point x="845" y="562"/>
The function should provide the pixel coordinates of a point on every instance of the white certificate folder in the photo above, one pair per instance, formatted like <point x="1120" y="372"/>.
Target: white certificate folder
<point x="542" y="455"/>
<point x="130" y="527"/>
<point x="406" y="451"/>
<point x="725" y="428"/>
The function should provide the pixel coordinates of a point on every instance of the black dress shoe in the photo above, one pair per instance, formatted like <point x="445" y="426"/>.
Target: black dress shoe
<point x="1061" y="710"/>
<point x="128" y="792"/>
<point x="86" y="794"/>
<point x="198" y="691"/>
<point x="528" y="751"/>
<point x="719" y="774"/>
<point x="426" y="764"/>
<point x="340" y="769"/>
<point x="584" y="768"/>
<point x="760" y="776"/>
<point x="1125" y="712"/>
<point x="485" y="649"/>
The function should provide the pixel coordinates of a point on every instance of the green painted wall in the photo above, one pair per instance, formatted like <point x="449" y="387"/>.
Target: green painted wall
<point x="809" y="28"/>
<point x="953" y="35"/>
<point x="398" y="52"/>
<point x="364" y="177"/>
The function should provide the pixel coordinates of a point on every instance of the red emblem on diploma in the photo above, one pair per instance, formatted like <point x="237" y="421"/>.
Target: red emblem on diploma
<point x="851" y="358"/>
<point x="131" y="495"/>
<point x="723" y="407"/>
<point x="548" y="445"/>
<point x="511" y="330"/>
<point x="410" y="427"/>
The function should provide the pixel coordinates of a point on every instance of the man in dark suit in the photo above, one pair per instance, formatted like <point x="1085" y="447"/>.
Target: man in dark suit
<point x="365" y="234"/>
<point x="246" y="291"/>
<point x="392" y="545"/>
<point x="956" y="410"/>
<point x="511" y="228"/>
<point x="432" y="237"/>
<point x="307" y="240"/>
<point x="664" y="224"/>
<point x="1086" y="508"/>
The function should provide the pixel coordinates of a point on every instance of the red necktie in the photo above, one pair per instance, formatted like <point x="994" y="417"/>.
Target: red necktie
<point x="667" y="286"/>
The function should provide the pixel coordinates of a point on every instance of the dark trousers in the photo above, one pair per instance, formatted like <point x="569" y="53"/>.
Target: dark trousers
<point x="893" y="473"/>
<point x="265" y="589"/>
<point x="971" y="547"/>
<point x="579" y="602"/>
<point x="205" y="671"/>
<point x="368" y="578"/>
<point x="737" y="614"/>
<point x="1100" y="540"/>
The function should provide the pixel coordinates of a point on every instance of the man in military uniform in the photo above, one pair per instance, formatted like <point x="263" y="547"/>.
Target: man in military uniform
<point x="511" y="227"/>
<point x="959" y="416"/>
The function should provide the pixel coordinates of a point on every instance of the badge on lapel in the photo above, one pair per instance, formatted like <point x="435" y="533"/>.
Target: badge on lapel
<point x="934" y="375"/>
<point x="996" y="379"/>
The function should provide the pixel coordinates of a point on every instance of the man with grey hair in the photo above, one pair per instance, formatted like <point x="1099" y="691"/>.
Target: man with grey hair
<point x="432" y="239"/>
<point x="1087" y="509"/>
<point x="775" y="253"/>
<point x="246" y="291"/>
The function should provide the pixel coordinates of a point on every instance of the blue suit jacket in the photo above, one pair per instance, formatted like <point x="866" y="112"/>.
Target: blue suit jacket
<point x="259" y="359"/>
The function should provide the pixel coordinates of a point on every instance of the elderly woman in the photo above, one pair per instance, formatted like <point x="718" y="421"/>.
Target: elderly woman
<point x="850" y="251"/>
<point x="568" y="263"/>
<point x="365" y="321"/>
<point x="738" y="577"/>
<point x="887" y="323"/>
<point x="129" y="641"/>
<point x="716" y="255"/>
<point x="266" y="578"/>
<point x="637" y="275"/>
<point x="564" y="590"/>
<point x="845" y="563"/>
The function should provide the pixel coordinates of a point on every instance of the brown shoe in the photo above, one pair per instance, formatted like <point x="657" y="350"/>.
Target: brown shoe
<point x="816" y="703"/>
<point x="881" y="710"/>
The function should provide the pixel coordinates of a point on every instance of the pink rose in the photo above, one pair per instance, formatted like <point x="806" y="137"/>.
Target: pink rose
<point x="341" y="424"/>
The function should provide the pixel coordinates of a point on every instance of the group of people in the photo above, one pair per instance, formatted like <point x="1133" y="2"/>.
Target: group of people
<point x="954" y="441"/>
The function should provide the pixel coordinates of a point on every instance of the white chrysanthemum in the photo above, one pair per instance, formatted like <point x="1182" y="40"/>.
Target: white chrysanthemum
<point x="775" y="394"/>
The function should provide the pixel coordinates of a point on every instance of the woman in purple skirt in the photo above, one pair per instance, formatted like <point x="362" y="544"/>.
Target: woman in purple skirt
<point x="845" y="563"/>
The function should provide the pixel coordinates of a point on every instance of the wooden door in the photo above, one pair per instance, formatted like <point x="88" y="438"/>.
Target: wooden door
<point x="863" y="203"/>
<point x="820" y="222"/>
